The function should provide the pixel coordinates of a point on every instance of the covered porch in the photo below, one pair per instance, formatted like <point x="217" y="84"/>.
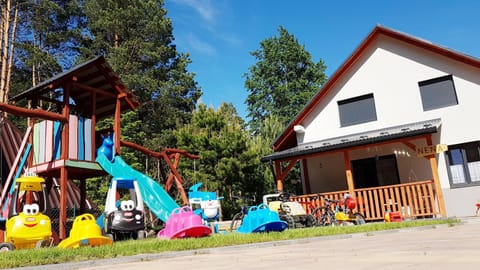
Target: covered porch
<point x="413" y="198"/>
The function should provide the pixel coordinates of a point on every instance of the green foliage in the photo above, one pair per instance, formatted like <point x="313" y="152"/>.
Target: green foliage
<point x="49" y="35"/>
<point x="228" y="163"/>
<point x="282" y="81"/>
<point x="136" y="39"/>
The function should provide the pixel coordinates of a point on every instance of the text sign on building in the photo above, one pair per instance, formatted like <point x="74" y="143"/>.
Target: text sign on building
<point x="431" y="149"/>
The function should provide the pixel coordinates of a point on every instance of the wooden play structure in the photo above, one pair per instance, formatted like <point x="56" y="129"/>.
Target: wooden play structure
<point x="62" y="128"/>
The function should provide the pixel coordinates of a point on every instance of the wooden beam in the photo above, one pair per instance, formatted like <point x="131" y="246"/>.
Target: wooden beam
<point x="94" y="90"/>
<point x="35" y="113"/>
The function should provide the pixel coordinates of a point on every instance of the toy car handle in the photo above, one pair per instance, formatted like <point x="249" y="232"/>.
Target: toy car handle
<point x="84" y="217"/>
<point x="262" y="206"/>
<point x="252" y="208"/>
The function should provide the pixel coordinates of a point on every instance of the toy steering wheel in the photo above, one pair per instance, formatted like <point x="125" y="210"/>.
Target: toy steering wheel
<point x="284" y="196"/>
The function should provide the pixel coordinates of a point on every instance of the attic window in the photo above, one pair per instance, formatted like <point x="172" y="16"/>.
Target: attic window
<point x="357" y="110"/>
<point x="438" y="93"/>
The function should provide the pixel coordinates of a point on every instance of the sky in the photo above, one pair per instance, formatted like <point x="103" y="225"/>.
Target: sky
<point x="219" y="35"/>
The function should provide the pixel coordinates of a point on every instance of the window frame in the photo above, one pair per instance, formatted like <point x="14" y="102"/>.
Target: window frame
<point x="426" y="94"/>
<point x="372" y="116"/>
<point x="463" y="147"/>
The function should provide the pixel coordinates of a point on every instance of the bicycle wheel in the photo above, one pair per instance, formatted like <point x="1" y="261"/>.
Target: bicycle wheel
<point x="324" y="216"/>
<point x="236" y="221"/>
<point x="359" y="219"/>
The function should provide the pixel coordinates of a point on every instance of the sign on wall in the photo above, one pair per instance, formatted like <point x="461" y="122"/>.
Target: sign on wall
<point x="431" y="149"/>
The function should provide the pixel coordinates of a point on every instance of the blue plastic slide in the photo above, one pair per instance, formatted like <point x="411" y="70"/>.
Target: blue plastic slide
<point x="154" y="196"/>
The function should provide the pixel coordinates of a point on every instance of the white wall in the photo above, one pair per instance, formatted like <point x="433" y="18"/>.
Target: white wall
<point x="391" y="71"/>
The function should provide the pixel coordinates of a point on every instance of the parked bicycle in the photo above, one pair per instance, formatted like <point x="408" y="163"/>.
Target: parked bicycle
<point x="238" y="217"/>
<point x="338" y="212"/>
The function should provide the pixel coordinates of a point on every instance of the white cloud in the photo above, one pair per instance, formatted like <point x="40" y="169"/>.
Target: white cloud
<point x="199" y="45"/>
<point x="202" y="7"/>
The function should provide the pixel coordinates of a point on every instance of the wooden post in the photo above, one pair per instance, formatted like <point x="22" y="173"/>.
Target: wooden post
<point x="278" y="174"/>
<point x="116" y="127"/>
<point x="436" y="181"/>
<point x="348" y="172"/>
<point x="63" y="169"/>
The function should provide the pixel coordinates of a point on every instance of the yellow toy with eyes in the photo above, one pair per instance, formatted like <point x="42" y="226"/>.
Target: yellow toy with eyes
<point x="29" y="229"/>
<point x="27" y="226"/>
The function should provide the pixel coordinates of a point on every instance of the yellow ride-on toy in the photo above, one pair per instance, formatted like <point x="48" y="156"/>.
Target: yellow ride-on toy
<point x="27" y="227"/>
<point x="85" y="232"/>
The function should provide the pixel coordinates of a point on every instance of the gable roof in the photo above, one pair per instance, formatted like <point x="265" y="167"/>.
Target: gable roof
<point x="95" y="75"/>
<point x="287" y="139"/>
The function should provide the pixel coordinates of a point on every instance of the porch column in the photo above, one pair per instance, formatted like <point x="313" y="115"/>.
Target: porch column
<point x="278" y="174"/>
<point x="348" y="172"/>
<point x="436" y="181"/>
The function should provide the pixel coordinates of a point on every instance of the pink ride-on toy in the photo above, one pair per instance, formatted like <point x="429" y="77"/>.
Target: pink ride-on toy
<point x="183" y="222"/>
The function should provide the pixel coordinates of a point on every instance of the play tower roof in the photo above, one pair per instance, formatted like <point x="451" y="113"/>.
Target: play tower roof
<point x="92" y="77"/>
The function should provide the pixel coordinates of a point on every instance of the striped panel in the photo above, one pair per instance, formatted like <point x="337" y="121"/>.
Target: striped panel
<point x="41" y="154"/>
<point x="57" y="140"/>
<point x="49" y="141"/>
<point x="36" y="142"/>
<point x="81" y="141"/>
<point x="88" y="139"/>
<point x="73" y="137"/>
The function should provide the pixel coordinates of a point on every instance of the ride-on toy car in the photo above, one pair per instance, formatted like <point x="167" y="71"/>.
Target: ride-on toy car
<point x="290" y="211"/>
<point x="27" y="226"/>
<point x="124" y="212"/>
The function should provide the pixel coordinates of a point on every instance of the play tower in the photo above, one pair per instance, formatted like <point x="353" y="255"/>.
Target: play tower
<point x="63" y="137"/>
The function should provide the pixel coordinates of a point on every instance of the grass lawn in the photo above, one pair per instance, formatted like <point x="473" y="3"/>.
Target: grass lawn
<point x="55" y="255"/>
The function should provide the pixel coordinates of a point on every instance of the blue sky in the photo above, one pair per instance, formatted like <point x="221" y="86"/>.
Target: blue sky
<point x="220" y="34"/>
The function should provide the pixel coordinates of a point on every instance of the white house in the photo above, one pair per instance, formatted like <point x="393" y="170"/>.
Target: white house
<point x="395" y="125"/>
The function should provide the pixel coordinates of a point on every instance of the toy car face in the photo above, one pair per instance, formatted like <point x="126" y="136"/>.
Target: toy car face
<point x="29" y="224"/>
<point x="29" y="215"/>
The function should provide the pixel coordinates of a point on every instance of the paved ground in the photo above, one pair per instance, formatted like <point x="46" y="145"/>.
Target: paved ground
<point x="439" y="247"/>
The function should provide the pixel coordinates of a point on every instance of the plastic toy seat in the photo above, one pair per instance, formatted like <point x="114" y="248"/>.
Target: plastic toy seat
<point x="261" y="219"/>
<point x="183" y="222"/>
<point x="274" y="205"/>
<point x="85" y="232"/>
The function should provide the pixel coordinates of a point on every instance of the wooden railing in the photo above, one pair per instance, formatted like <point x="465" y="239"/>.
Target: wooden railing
<point x="412" y="200"/>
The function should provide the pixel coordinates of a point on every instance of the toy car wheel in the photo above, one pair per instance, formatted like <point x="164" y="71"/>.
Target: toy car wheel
<point x="42" y="243"/>
<point x="140" y="234"/>
<point x="5" y="247"/>
<point x="109" y="235"/>
<point x="310" y="222"/>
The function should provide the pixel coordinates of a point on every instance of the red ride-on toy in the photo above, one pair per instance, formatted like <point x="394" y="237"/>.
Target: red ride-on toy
<point x="124" y="212"/>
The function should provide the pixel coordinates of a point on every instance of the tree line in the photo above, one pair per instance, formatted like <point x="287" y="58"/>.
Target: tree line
<point x="42" y="38"/>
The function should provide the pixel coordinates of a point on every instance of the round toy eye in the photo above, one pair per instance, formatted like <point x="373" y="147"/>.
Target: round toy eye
<point x="27" y="209"/>
<point x="35" y="209"/>
<point x="123" y="205"/>
<point x="130" y="204"/>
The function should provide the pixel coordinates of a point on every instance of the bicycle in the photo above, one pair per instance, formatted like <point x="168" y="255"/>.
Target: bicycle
<point x="238" y="217"/>
<point x="326" y="216"/>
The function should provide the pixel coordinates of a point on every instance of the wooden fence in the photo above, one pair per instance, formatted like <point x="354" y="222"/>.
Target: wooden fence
<point x="412" y="200"/>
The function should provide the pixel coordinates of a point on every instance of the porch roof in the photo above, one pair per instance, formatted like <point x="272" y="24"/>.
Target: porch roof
<point x="357" y="139"/>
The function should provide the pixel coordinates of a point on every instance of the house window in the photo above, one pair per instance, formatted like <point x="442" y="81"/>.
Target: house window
<point x="438" y="93"/>
<point x="357" y="110"/>
<point x="463" y="163"/>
